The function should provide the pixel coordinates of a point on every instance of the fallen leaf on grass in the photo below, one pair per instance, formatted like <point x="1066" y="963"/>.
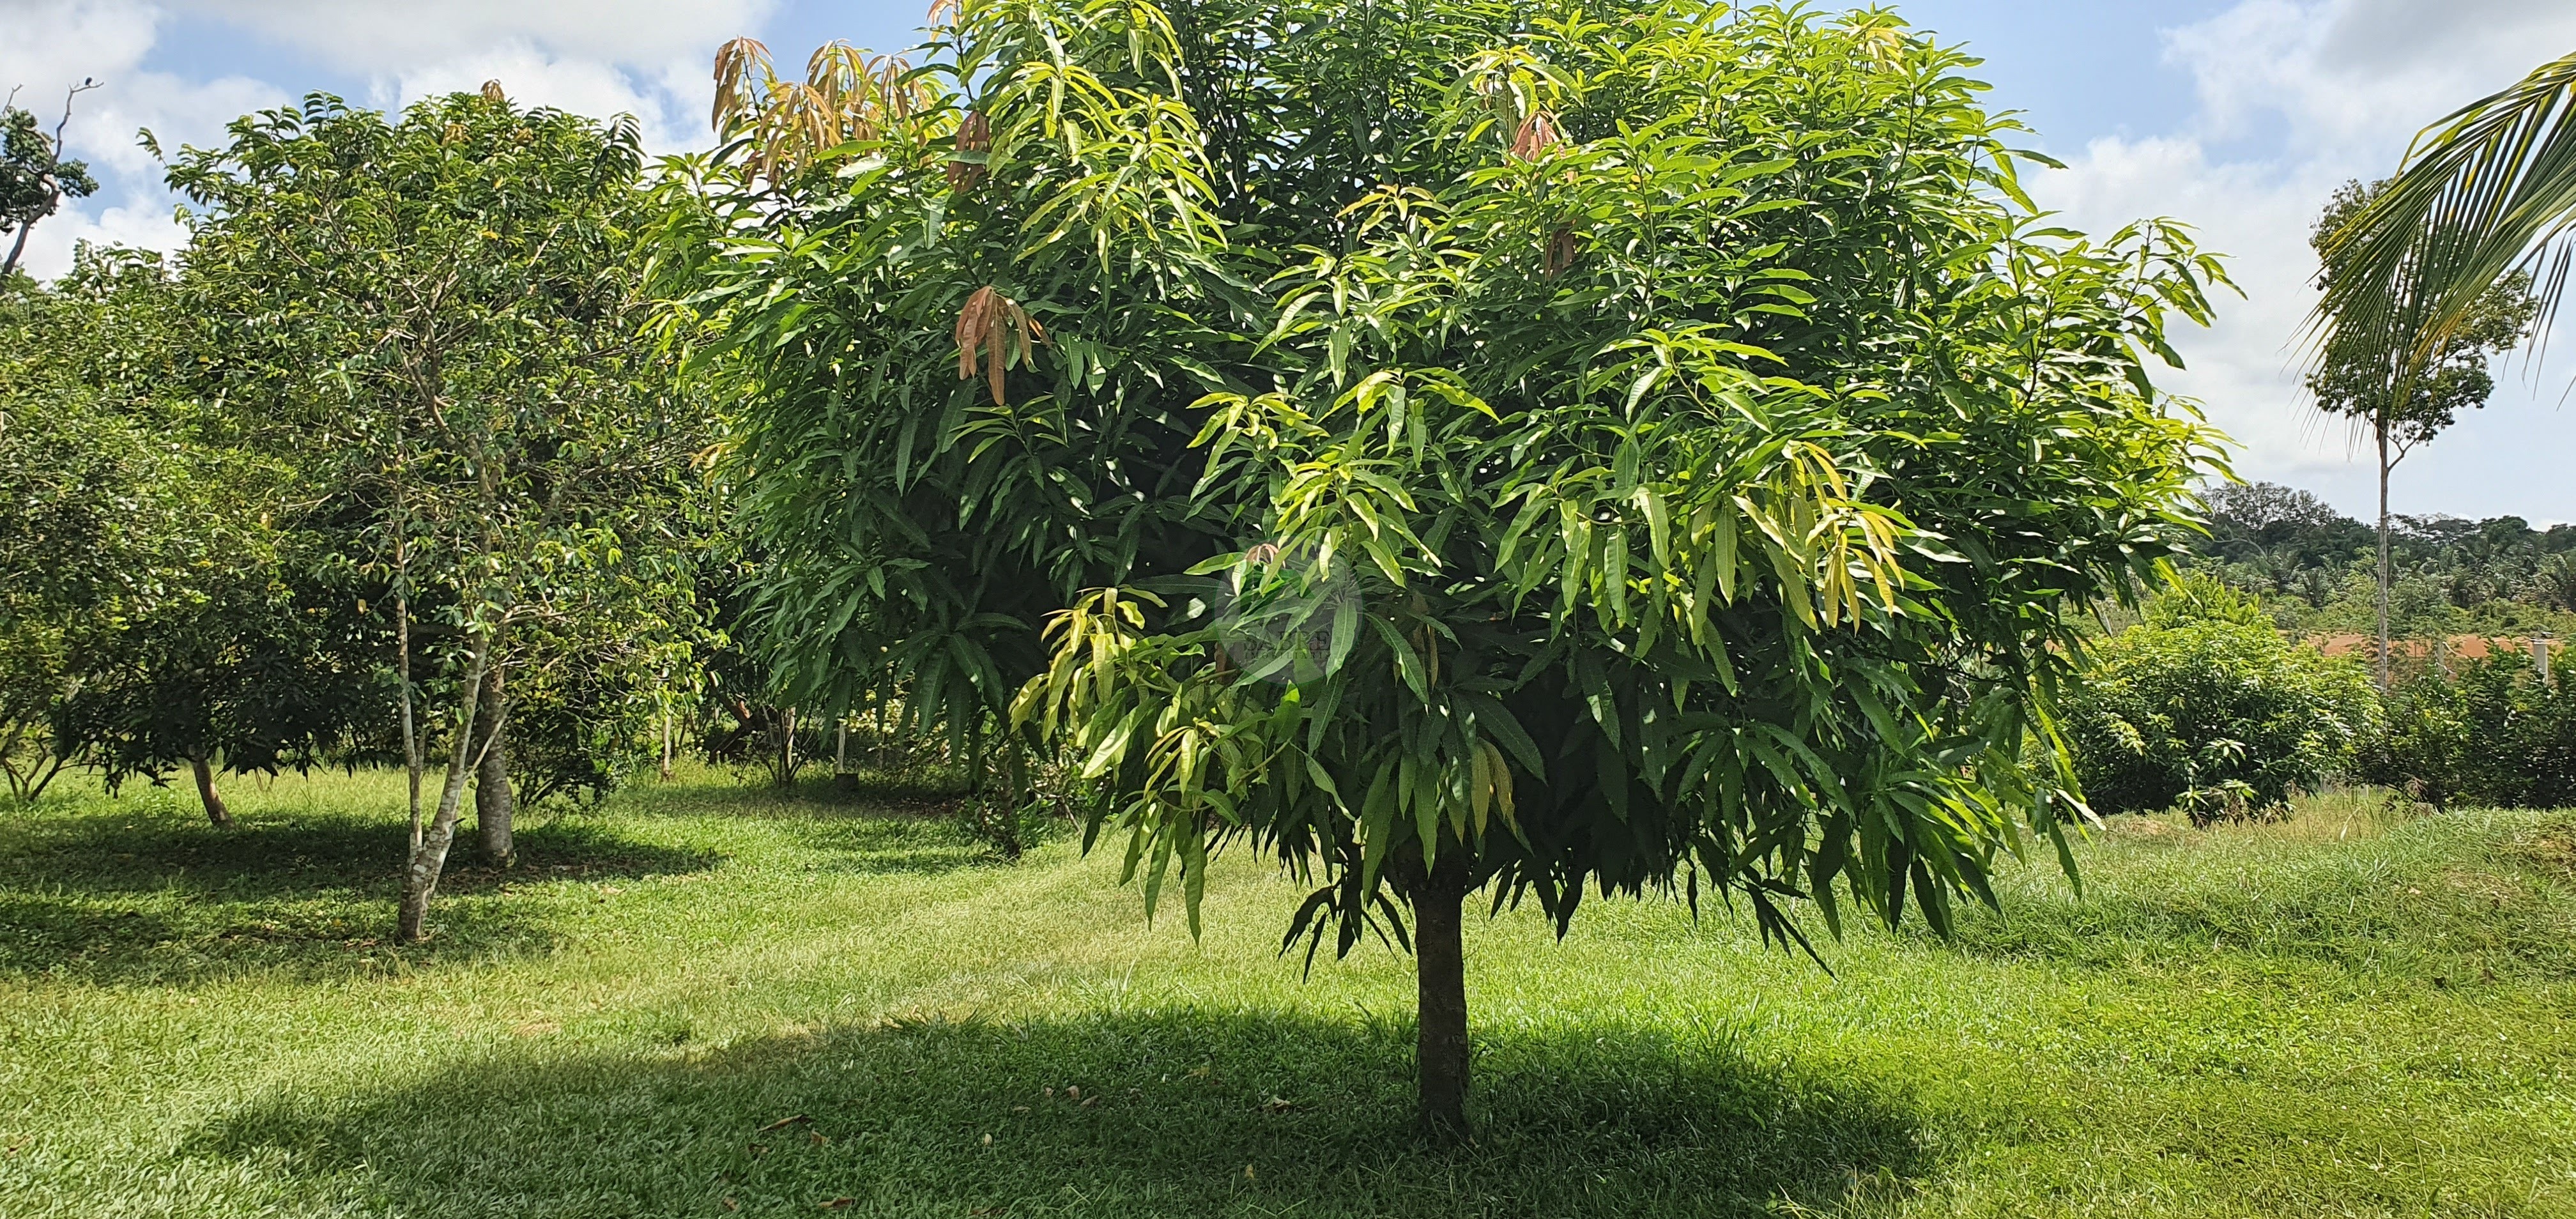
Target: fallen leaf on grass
<point x="835" y="1204"/>
<point x="1276" y="1105"/>
<point x="731" y="1205"/>
<point x="818" y="1139"/>
<point x="784" y="1122"/>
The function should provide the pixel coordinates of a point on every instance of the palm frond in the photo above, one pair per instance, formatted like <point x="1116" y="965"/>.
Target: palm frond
<point x="2489" y="190"/>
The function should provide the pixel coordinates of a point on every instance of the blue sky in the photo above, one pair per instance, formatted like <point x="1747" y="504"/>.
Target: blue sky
<point x="2237" y="116"/>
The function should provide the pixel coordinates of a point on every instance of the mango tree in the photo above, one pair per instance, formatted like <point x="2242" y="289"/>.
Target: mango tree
<point x="438" y="316"/>
<point x="161" y="614"/>
<point x="1457" y="450"/>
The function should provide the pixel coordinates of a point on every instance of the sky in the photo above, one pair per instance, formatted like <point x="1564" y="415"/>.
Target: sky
<point x="2237" y="117"/>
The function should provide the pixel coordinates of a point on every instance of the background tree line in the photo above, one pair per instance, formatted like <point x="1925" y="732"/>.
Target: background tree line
<point x="2314" y="567"/>
<point x="382" y="467"/>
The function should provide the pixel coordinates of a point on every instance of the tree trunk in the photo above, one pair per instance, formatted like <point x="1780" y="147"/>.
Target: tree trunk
<point x="2383" y="554"/>
<point x="429" y="858"/>
<point x="841" y="776"/>
<point x="494" y="802"/>
<point x="16" y="248"/>
<point x="1016" y="795"/>
<point x="402" y="651"/>
<point x="787" y="747"/>
<point x="1440" y="976"/>
<point x="215" y="810"/>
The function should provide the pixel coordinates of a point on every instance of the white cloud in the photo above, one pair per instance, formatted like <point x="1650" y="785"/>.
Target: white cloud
<point x="533" y="78"/>
<point x="54" y="43"/>
<point x="647" y="58"/>
<point x="144" y="226"/>
<point x="2339" y="87"/>
<point x="175" y="111"/>
<point x="393" y="37"/>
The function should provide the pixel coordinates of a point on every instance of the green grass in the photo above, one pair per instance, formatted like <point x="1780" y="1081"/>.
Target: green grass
<point x="2340" y="1015"/>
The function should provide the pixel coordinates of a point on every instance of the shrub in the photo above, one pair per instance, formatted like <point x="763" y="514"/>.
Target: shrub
<point x="2493" y="734"/>
<point x="2208" y="708"/>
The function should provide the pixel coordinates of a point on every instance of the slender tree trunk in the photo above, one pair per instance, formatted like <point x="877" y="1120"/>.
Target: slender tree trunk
<point x="664" y="692"/>
<point x="841" y="752"/>
<point x="787" y="747"/>
<point x="494" y="803"/>
<point x="1015" y="796"/>
<point x="215" y="810"/>
<point x="1440" y="977"/>
<point x="16" y="248"/>
<point x="429" y="858"/>
<point x="402" y="647"/>
<point x="2382" y="430"/>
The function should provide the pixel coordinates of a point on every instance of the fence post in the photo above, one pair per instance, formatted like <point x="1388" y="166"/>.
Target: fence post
<point x="2540" y="656"/>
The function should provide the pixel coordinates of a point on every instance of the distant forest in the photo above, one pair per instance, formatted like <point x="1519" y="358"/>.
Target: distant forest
<point x="2313" y="567"/>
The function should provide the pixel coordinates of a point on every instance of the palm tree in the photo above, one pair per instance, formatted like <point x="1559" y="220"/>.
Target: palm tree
<point x="2556" y="581"/>
<point x="2486" y="198"/>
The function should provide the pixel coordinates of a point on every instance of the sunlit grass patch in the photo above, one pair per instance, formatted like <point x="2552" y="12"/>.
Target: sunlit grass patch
<point x="713" y="991"/>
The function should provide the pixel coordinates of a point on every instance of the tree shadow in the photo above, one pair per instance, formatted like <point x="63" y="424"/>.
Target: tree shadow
<point x="2476" y="909"/>
<point x="875" y="843"/>
<point x="1182" y="1112"/>
<point x="128" y="896"/>
<point x="816" y="792"/>
<point x="871" y="826"/>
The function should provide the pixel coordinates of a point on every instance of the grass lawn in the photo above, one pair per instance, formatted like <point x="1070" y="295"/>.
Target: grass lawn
<point x="704" y="999"/>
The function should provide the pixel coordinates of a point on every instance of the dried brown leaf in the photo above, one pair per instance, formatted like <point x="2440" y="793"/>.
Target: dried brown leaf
<point x="987" y="327"/>
<point x="1537" y="134"/>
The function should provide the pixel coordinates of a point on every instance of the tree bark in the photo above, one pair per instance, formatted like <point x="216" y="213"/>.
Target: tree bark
<point x="429" y="858"/>
<point x="787" y="747"/>
<point x="1441" y="1050"/>
<point x="2383" y="554"/>
<point x="841" y="776"/>
<point x="402" y="646"/>
<point x="494" y="803"/>
<point x="16" y="248"/>
<point x="215" y="810"/>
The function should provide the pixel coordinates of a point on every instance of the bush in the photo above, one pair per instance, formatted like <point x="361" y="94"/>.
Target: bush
<point x="2493" y="734"/>
<point x="2206" y="707"/>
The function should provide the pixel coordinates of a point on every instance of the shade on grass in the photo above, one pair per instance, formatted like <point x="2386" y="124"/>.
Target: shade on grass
<point x="2339" y="1015"/>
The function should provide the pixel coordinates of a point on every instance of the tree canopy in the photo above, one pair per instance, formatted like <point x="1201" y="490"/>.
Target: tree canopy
<point x="1638" y="448"/>
<point x="440" y="316"/>
<point x="35" y="177"/>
